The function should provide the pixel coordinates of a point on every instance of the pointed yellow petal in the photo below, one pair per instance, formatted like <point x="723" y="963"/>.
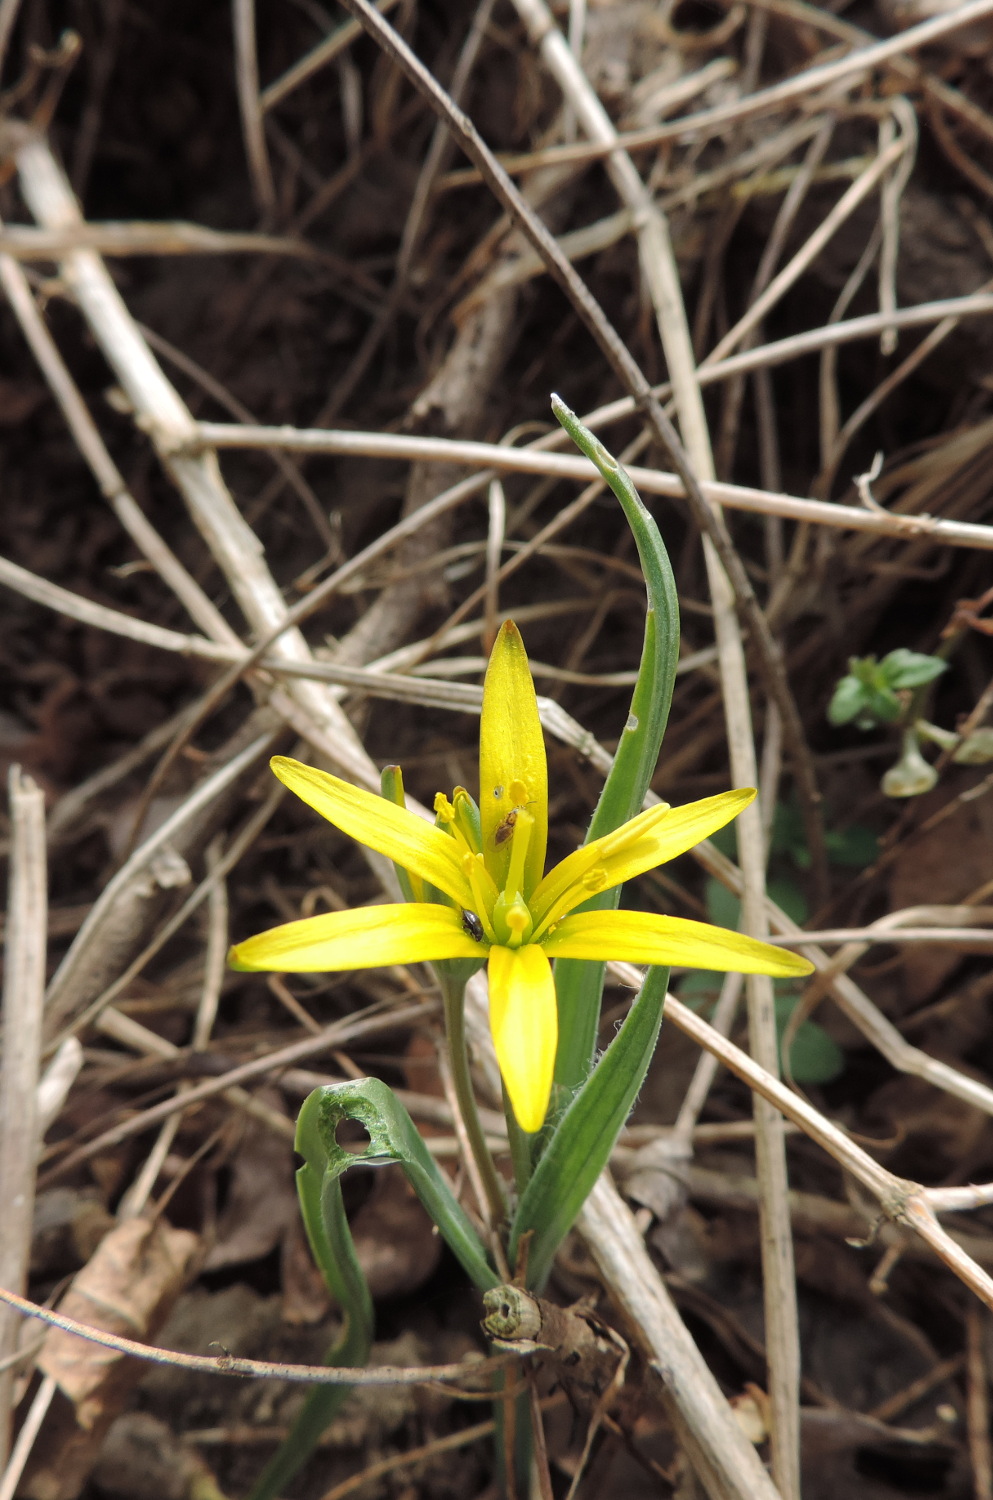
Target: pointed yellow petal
<point x="407" y="839"/>
<point x="525" y="1026"/>
<point x="362" y="939"/>
<point x="639" y="937"/>
<point x="649" y="839"/>
<point x="512" y="769"/>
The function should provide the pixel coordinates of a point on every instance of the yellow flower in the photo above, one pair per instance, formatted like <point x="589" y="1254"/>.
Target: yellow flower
<point x="497" y="904"/>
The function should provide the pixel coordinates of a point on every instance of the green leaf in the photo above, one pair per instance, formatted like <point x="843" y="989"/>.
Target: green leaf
<point x="854" y="847"/>
<point x="908" y="669"/>
<point x="700" y="988"/>
<point x="723" y="906"/>
<point x="391" y="785"/>
<point x="319" y="1191"/>
<point x="848" y="701"/>
<point x="815" y="1057"/>
<point x="579" y="984"/>
<point x="392" y="1138"/>
<point x="787" y="894"/>
<point x="580" y="1145"/>
<point x="883" y="707"/>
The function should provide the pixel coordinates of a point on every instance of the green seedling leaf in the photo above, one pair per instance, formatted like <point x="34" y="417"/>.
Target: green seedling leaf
<point x="581" y="1142"/>
<point x="849" y="700"/>
<point x="723" y="906"/>
<point x="788" y="895"/>
<point x="853" y="848"/>
<point x="700" y="988"/>
<point x="910" y="669"/>
<point x="579" y="985"/>
<point x="815" y="1057"/>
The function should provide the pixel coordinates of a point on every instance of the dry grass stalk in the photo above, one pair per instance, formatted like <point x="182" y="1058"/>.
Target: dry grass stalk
<point x="23" y="999"/>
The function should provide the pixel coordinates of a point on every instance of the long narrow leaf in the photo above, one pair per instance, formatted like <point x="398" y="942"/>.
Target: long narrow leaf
<point x="579" y="986"/>
<point x="323" y="1210"/>
<point x="581" y="1143"/>
<point x="392" y="1138"/>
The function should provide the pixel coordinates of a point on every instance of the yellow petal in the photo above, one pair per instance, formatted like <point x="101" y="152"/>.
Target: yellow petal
<point x="640" y="937"/>
<point x="407" y="839"/>
<point x="649" y="839"/>
<point x="362" y="939"/>
<point x="512" y="768"/>
<point x="525" y="1026"/>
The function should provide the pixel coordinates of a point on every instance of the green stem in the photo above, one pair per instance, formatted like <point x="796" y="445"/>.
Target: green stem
<point x="520" y="1147"/>
<point x="453" y="992"/>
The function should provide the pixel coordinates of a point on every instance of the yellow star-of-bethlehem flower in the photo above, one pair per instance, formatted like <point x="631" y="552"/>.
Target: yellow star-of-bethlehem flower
<point x="497" y="902"/>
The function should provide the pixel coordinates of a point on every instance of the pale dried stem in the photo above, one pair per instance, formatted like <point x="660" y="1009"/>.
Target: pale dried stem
<point x="705" y="1071"/>
<point x="338" y="1034"/>
<point x="902" y="1201"/>
<point x="875" y="399"/>
<point x="808" y="88"/>
<point x="72" y="973"/>
<point x="30" y="1428"/>
<point x="313" y="61"/>
<point x="537" y="460"/>
<point x="809" y="251"/>
<point x="977" y="1402"/>
<point x="252" y="124"/>
<point x="106" y="473"/>
<point x="55" y="1083"/>
<point x="161" y="413"/>
<point x="8" y="16"/>
<point x="23" y="1000"/>
<point x="135" y="1200"/>
<point x="139" y="237"/>
<point x="473" y="1373"/>
<point x="142" y="1042"/>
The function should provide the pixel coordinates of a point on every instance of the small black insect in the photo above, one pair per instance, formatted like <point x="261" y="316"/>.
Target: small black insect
<point x="472" y="925"/>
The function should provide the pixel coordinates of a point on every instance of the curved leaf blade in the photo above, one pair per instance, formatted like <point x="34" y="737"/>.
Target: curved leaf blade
<point x="580" y="983"/>
<point x="580" y="1145"/>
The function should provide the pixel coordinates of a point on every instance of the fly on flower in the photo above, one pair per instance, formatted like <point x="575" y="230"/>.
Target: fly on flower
<point x="498" y="904"/>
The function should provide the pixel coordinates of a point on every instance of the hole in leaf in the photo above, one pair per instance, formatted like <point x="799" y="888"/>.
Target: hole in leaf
<point x="352" y="1136"/>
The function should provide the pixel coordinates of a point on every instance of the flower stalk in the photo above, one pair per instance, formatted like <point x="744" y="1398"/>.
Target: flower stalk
<point x="453" y="997"/>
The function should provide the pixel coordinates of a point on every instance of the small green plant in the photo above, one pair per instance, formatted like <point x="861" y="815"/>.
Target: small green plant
<point x="874" y="694"/>
<point x="477" y="893"/>
<point x="878" y="692"/>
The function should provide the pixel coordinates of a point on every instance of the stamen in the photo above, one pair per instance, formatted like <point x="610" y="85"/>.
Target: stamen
<point x="484" y="892"/>
<point x="447" y="816"/>
<point x="443" y="809"/>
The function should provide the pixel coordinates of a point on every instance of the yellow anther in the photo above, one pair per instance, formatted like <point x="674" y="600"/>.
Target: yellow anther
<point x="518" y="794"/>
<point x="443" y="808"/>
<point x="594" y="880"/>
